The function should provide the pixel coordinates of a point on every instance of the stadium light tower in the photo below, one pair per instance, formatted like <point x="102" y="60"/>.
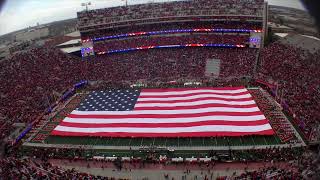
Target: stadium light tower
<point x="126" y="1"/>
<point x="86" y="5"/>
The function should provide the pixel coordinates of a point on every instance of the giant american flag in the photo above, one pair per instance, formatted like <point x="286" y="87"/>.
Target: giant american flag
<point x="175" y="112"/>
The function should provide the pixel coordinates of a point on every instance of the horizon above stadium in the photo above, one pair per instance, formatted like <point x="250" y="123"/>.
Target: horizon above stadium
<point x="36" y="11"/>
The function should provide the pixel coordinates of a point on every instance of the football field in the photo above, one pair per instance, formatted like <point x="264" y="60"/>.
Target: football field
<point x="44" y="137"/>
<point x="125" y="145"/>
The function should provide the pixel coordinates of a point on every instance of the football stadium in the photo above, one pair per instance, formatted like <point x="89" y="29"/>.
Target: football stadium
<point x="190" y="89"/>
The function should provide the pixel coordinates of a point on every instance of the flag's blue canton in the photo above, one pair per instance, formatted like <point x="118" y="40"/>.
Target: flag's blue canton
<point x="110" y="100"/>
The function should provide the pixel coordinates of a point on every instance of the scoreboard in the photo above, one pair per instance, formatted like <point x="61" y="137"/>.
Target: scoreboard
<point x="87" y="48"/>
<point x="255" y="39"/>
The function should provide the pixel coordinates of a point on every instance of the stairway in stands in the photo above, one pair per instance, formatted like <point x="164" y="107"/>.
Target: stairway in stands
<point x="213" y="68"/>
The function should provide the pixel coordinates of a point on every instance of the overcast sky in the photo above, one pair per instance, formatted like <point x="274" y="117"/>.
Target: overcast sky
<point x="19" y="14"/>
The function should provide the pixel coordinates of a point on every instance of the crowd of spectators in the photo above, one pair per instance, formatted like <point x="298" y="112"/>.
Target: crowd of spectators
<point x="171" y="64"/>
<point x="26" y="168"/>
<point x="33" y="79"/>
<point x="170" y="9"/>
<point x="28" y="81"/>
<point x="303" y="164"/>
<point x="96" y="33"/>
<point x="271" y="154"/>
<point x="273" y="112"/>
<point x="300" y="163"/>
<point x="296" y="75"/>
<point x="37" y="74"/>
<point x="170" y="40"/>
<point x="270" y="173"/>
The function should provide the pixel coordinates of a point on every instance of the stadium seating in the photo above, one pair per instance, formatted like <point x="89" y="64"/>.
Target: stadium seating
<point x="274" y="114"/>
<point x="42" y="71"/>
<point x="30" y="79"/>
<point x="297" y="75"/>
<point x="268" y="173"/>
<point x="34" y="78"/>
<point x="170" y="26"/>
<point x="170" y="9"/>
<point x="39" y="76"/>
<point x="39" y="166"/>
<point x="171" y="64"/>
<point x="15" y="168"/>
<point x="35" y="75"/>
<point x="170" y="40"/>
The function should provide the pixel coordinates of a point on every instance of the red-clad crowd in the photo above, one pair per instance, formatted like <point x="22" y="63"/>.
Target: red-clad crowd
<point x="26" y="168"/>
<point x="301" y="163"/>
<point x="33" y="79"/>
<point x="301" y="166"/>
<point x="170" y="40"/>
<point x="273" y="112"/>
<point x="30" y="79"/>
<point x="96" y="33"/>
<point x="171" y="64"/>
<point x="170" y="9"/>
<point x="269" y="173"/>
<point x="296" y="74"/>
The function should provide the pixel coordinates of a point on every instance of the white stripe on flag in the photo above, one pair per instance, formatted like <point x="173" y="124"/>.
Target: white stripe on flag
<point x="200" y="102"/>
<point x="163" y="120"/>
<point x="184" y="111"/>
<point x="209" y="128"/>
<point x="165" y="93"/>
<point x="194" y="97"/>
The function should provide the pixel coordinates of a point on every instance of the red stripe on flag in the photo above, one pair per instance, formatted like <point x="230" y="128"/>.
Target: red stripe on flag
<point x="167" y="135"/>
<point x="195" y="107"/>
<point x="197" y="99"/>
<point x="192" y="94"/>
<point x="159" y="116"/>
<point x="188" y="89"/>
<point x="165" y="125"/>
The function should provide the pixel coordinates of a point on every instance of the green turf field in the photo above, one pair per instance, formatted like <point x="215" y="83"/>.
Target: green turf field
<point x="167" y="142"/>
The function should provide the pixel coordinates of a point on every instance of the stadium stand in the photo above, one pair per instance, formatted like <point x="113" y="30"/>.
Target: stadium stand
<point x="40" y="75"/>
<point x="172" y="64"/>
<point x="26" y="168"/>
<point x="295" y="71"/>
<point x="170" y="26"/>
<point x="303" y="166"/>
<point x="34" y="77"/>
<point x="168" y="11"/>
<point x="34" y="80"/>
<point x="170" y="40"/>
<point x="274" y="114"/>
<point x="267" y="173"/>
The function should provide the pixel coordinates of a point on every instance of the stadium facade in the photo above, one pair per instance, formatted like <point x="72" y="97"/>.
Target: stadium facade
<point x="196" y="16"/>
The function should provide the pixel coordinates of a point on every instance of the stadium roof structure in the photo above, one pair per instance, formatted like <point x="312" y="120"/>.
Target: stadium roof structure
<point x="71" y="49"/>
<point x="310" y="43"/>
<point x="74" y="34"/>
<point x="312" y="37"/>
<point x="71" y="42"/>
<point x="281" y="34"/>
